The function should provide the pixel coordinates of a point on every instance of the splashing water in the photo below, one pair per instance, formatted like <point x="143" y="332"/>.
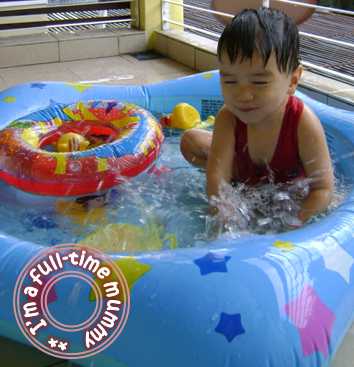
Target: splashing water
<point x="161" y="208"/>
<point x="268" y="208"/>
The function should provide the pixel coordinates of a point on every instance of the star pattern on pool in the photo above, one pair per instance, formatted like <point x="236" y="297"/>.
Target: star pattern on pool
<point x="212" y="262"/>
<point x="52" y="294"/>
<point x="207" y="75"/>
<point x="284" y="245"/>
<point x="132" y="271"/>
<point x="230" y="326"/>
<point x="9" y="99"/>
<point x="38" y="85"/>
<point x="313" y="319"/>
<point x="340" y="263"/>
<point x="80" y="87"/>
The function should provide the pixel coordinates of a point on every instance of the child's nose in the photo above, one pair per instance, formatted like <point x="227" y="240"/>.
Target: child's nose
<point x="244" y="94"/>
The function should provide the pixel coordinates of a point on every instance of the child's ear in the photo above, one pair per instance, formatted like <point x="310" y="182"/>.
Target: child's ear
<point x="294" y="80"/>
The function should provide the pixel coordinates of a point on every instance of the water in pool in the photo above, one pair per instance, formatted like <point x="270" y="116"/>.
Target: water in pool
<point x="163" y="208"/>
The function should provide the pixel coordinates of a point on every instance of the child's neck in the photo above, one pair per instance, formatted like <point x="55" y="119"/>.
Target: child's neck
<point x="272" y="121"/>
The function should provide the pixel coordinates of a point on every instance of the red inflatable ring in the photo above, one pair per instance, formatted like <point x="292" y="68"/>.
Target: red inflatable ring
<point x="78" y="149"/>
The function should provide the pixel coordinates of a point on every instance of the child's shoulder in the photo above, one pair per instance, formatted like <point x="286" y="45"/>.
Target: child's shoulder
<point x="309" y="125"/>
<point x="308" y="118"/>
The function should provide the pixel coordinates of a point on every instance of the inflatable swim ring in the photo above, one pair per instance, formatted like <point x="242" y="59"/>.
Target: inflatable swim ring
<point x="78" y="149"/>
<point x="258" y="300"/>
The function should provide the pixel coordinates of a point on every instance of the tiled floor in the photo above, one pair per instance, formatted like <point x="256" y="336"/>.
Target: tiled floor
<point x="123" y="69"/>
<point x="113" y="70"/>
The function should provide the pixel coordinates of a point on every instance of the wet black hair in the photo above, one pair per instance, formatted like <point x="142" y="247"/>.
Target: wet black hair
<point x="264" y="30"/>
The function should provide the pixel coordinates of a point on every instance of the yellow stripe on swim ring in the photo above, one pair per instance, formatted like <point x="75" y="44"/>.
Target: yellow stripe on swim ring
<point x="79" y="112"/>
<point x="124" y="121"/>
<point x="57" y="121"/>
<point x="60" y="168"/>
<point x="43" y="125"/>
<point x="30" y="137"/>
<point x="85" y="113"/>
<point x="102" y="164"/>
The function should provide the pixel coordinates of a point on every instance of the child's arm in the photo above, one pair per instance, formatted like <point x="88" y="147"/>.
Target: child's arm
<point x="221" y="154"/>
<point x="316" y="160"/>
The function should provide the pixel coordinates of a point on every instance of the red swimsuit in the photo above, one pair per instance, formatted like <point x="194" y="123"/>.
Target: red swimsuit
<point x="285" y="165"/>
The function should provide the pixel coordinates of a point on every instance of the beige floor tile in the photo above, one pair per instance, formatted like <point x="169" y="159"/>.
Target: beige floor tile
<point x="161" y="66"/>
<point x="3" y="84"/>
<point x="120" y="70"/>
<point x="127" y="70"/>
<point x="35" y="69"/>
<point x="92" y="63"/>
<point x="11" y="77"/>
<point x="123" y="79"/>
<point x="130" y="79"/>
<point x="112" y="67"/>
<point x="155" y="78"/>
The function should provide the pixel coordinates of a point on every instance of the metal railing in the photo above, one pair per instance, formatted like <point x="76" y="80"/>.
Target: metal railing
<point x="68" y="14"/>
<point x="311" y="36"/>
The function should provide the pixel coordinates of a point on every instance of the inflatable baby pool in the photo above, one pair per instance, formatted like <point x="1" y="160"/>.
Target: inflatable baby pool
<point x="259" y="300"/>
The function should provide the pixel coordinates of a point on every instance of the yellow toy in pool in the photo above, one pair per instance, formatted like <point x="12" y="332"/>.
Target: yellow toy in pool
<point x="114" y="237"/>
<point x="71" y="142"/>
<point x="124" y="237"/>
<point x="184" y="116"/>
<point x="84" y="211"/>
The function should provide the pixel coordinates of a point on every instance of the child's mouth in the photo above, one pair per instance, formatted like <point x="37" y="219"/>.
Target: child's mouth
<point x="249" y="109"/>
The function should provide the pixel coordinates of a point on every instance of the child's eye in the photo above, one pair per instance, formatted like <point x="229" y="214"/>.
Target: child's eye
<point x="260" y="82"/>
<point x="230" y="82"/>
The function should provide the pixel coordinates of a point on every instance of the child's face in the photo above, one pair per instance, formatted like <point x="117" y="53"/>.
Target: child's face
<point x="255" y="93"/>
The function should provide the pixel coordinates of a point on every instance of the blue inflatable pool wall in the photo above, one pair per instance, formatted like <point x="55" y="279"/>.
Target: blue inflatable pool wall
<point x="260" y="300"/>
